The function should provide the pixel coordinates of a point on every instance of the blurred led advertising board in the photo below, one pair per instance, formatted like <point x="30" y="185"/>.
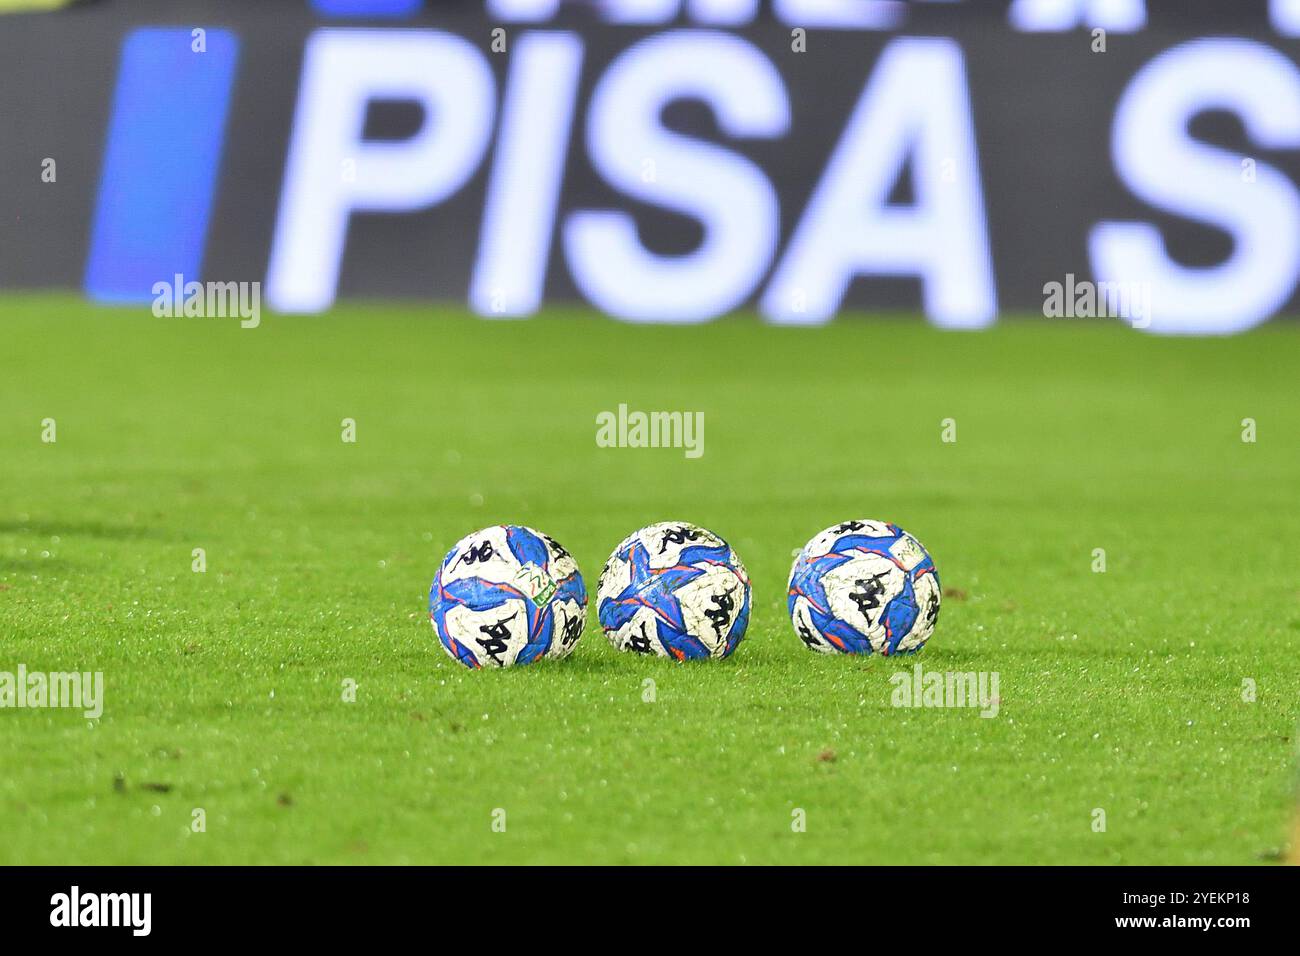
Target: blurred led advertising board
<point x="664" y="161"/>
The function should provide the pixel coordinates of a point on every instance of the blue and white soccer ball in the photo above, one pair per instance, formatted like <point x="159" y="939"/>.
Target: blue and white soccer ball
<point x="675" y="590"/>
<point x="864" y="587"/>
<point x="507" y="595"/>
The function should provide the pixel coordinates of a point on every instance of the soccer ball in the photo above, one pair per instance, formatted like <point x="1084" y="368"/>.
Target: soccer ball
<point x="862" y="587"/>
<point x="674" y="590"/>
<point x="507" y="595"/>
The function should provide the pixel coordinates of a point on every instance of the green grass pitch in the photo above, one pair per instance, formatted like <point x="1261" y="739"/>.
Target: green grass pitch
<point x="1120" y="690"/>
